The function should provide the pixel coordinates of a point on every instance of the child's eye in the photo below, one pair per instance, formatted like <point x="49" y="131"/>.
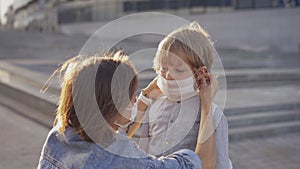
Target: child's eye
<point x="180" y="71"/>
<point x="163" y="69"/>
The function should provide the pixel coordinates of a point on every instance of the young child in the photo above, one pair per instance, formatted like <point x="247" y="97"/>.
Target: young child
<point x="171" y="103"/>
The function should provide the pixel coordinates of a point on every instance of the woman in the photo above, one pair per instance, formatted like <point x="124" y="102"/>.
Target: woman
<point x="170" y="102"/>
<point x="95" y="110"/>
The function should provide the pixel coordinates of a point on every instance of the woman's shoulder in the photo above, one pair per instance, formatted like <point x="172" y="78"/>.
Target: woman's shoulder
<point x="69" y="150"/>
<point x="68" y="135"/>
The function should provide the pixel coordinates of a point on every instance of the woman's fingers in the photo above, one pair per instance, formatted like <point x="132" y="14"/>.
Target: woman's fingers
<point x="202" y="78"/>
<point x="208" y="88"/>
<point x="198" y="84"/>
<point x="152" y="90"/>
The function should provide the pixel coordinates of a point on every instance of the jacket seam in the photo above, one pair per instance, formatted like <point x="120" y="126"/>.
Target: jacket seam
<point x="54" y="162"/>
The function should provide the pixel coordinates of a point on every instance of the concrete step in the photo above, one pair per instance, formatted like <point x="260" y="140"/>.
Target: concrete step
<point x="259" y="118"/>
<point x="27" y="111"/>
<point x="18" y="75"/>
<point x="244" y="59"/>
<point x="246" y="78"/>
<point x="263" y="124"/>
<point x="260" y="99"/>
<point x="236" y="111"/>
<point x="25" y="86"/>
<point x="263" y="130"/>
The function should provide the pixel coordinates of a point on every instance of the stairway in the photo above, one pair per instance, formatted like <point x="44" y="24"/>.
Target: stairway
<point x="263" y="88"/>
<point x="263" y="123"/>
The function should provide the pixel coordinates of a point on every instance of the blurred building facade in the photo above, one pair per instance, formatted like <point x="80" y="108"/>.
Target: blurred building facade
<point x="46" y="15"/>
<point x="98" y="10"/>
<point x="41" y="15"/>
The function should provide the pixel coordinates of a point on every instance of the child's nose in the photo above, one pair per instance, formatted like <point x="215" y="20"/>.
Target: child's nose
<point x="168" y="76"/>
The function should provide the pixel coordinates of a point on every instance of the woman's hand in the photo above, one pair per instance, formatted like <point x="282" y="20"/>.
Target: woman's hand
<point x="207" y="86"/>
<point x="152" y="90"/>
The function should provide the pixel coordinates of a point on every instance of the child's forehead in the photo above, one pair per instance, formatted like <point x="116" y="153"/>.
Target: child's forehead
<point x="176" y="57"/>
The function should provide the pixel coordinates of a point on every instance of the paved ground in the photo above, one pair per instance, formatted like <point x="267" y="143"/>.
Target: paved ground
<point x="267" y="153"/>
<point x="21" y="138"/>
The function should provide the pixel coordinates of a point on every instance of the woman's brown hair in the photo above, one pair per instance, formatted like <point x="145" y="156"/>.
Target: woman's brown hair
<point x="104" y="90"/>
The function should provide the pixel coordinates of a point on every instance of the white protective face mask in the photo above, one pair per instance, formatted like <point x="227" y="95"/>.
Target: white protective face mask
<point x="177" y="90"/>
<point x="124" y="127"/>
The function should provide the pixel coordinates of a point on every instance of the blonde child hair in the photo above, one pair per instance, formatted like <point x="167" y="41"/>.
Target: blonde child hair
<point x="193" y="40"/>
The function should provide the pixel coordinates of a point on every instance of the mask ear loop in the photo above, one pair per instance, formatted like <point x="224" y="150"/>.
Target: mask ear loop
<point x="122" y="126"/>
<point x="132" y="117"/>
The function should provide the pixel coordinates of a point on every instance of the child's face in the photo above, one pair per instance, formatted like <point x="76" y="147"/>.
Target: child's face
<point x="176" y="66"/>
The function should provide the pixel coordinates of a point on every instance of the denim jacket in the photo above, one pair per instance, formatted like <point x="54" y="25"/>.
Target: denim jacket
<point x="69" y="151"/>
